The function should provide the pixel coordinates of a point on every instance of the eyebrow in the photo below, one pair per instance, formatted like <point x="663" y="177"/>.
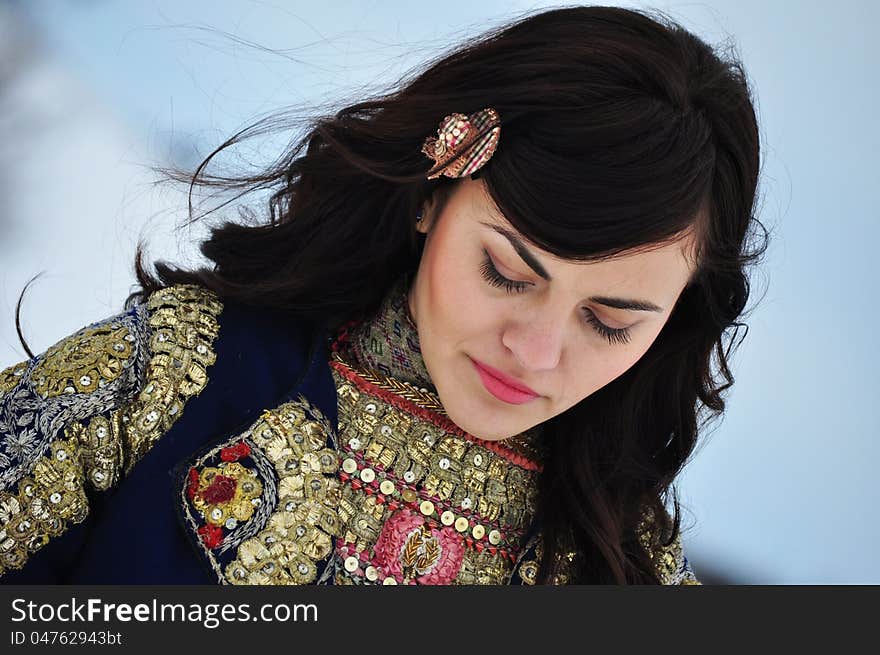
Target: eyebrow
<point x="533" y="263"/>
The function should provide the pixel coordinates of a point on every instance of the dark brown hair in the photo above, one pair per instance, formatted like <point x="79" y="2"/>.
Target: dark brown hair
<point x="619" y="130"/>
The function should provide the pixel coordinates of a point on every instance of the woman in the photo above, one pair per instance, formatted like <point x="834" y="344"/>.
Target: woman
<point x="469" y="345"/>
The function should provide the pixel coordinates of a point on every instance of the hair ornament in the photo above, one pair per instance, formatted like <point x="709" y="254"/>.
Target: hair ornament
<point x="463" y="143"/>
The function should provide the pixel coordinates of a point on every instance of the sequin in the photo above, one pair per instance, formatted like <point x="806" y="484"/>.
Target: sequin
<point x="528" y="571"/>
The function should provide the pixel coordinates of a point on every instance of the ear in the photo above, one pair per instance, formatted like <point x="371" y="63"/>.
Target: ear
<point x="429" y="211"/>
<point x="425" y="224"/>
<point x="433" y="206"/>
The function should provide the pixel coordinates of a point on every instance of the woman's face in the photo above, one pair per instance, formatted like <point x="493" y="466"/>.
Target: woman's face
<point x="543" y="330"/>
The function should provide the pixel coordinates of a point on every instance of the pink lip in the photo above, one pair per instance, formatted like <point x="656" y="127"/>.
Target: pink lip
<point x="503" y="386"/>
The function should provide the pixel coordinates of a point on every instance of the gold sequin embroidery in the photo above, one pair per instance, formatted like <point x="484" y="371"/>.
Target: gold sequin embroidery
<point x="668" y="560"/>
<point x="11" y="376"/>
<point x="446" y="493"/>
<point x="228" y="511"/>
<point x="100" y="446"/>
<point x="52" y="496"/>
<point x="370" y="485"/>
<point x="184" y="326"/>
<point x="45" y="502"/>
<point x="299" y="531"/>
<point x="83" y="362"/>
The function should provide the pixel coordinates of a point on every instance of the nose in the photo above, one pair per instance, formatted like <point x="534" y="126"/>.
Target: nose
<point x="536" y="343"/>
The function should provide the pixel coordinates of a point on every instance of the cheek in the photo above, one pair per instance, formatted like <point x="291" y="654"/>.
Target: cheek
<point x="456" y="297"/>
<point x="597" y="369"/>
<point x="622" y="362"/>
<point x="441" y="300"/>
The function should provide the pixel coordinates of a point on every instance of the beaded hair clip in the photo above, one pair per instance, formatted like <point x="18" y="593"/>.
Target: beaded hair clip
<point x="463" y="143"/>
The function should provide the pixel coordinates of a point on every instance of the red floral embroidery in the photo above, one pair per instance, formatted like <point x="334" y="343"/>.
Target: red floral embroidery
<point x="221" y="489"/>
<point x="192" y="483"/>
<point x="235" y="452"/>
<point x="211" y="535"/>
<point x="408" y="547"/>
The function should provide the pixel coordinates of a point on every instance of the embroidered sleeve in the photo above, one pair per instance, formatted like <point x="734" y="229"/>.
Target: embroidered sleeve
<point x="672" y="566"/>
<point x="670" y="561"/>
<point x="75" y="419"/>
<point x="528" y="565"/>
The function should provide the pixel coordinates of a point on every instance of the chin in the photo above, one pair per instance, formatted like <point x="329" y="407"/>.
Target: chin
<point x="492" y="437"/>
<point x="462" y="413"/>
<point x="480" y="431"/>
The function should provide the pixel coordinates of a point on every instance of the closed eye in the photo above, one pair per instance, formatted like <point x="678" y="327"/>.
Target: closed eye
<point x="493" y="277"/>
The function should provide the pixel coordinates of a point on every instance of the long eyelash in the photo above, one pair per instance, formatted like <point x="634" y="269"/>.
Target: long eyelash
<point x="612" y="335"/>
<point x="493" y="277"/>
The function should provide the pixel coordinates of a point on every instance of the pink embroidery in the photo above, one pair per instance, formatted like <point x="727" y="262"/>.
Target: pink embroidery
<point x="409" y="549"/>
